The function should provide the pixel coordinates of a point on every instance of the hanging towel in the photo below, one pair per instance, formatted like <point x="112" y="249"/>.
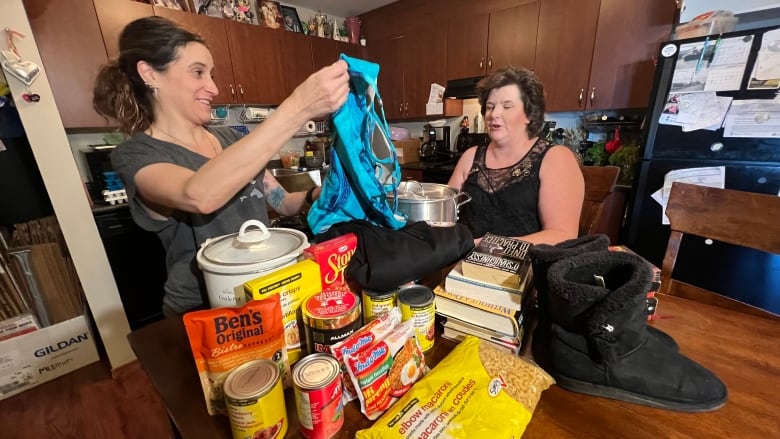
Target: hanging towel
<point x="364" y="165"/>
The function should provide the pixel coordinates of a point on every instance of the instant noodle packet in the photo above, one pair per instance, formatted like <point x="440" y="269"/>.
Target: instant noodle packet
<point x="225" y="338"/>
<point x="363" y="338"/>
<point x="386" y="370"/>
<point x="474" y="392"/>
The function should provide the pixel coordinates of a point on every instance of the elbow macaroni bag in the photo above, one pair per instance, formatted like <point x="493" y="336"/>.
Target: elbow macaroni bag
<point x="476" y="391"/>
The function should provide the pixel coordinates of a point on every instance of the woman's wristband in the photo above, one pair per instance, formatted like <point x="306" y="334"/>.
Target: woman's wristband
<point x="309" y="194"/>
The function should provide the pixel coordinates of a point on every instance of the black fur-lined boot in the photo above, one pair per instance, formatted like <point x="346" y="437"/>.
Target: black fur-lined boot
<point x="542" y="256"/>
<point x="599" y="343"/>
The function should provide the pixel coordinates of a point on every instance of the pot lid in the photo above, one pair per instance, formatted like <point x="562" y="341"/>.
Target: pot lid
<point x="251" y="246"/>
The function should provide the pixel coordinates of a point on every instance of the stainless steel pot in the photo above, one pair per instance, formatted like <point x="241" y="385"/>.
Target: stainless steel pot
<point x="435" y="203"/>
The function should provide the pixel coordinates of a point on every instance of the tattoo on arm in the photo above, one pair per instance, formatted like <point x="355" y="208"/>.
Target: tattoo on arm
<point x="276" y="197"/>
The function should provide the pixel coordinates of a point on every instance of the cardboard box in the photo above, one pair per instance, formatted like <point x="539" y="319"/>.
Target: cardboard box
<point x="408" y="151"/>
<point x="333" y="257"/>
<point x="294" y="284"/>
<point x="45" y="354"/>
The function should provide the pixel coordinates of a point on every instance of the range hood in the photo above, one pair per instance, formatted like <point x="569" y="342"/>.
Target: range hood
<point x="462" y="88"/>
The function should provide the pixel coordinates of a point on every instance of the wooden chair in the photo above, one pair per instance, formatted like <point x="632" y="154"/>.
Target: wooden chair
<point x="599" y="184"/>
<point x="739" y="218"/>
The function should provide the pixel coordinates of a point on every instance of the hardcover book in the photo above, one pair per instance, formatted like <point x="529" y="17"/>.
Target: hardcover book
<point x="499" y="260"/>
<point x="497" y="318"/>
<point x="510" y="297"/>
<point x="455" y="329"/>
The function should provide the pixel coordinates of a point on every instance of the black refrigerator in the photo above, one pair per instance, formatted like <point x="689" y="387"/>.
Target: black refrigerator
<point x="751" y="164"/>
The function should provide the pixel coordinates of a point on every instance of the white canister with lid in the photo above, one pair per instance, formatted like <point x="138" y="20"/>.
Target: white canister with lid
<point x="230" y="260"/>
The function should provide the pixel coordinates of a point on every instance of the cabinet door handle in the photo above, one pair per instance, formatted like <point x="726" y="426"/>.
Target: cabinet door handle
<point x="241" y="90"/>
<point x="592" y="95"/>
<point x="406" y="108"/>
<point x="579" y="99"/>
<point x="482" y="63"/>
<point x="232" y="91"/>
<point x="490" y="63"/>
<point x="401" y="109"/>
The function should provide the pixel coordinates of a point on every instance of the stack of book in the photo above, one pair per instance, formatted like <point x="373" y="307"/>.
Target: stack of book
<point x="486" y="294"/>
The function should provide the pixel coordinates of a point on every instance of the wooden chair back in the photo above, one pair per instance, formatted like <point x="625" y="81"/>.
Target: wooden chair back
<point x="739" y="218"/>
<point x="600" y="182"/>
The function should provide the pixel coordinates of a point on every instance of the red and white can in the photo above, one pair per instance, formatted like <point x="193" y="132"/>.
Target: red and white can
<point x="317" y="383"/>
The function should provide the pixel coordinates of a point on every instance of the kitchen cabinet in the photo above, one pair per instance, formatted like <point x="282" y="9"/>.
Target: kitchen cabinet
<point x="214" y="32"/>
<point x="267" y="64"/>
<point x="295" y="58"/>
<point x="71" y="58"/>
<point x="113" y="16"/>
<point x="408" y="66"/>
<point x="480" y="44"/>
<point x="257" y="72"/>
<point x="325" y="52"/>
<point x="594" y="55"/>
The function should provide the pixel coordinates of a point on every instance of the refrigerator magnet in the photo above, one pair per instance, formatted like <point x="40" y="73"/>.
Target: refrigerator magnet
<point x="669" y="50"/>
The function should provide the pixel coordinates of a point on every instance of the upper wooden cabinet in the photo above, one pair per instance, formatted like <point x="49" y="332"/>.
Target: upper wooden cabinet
<point x="603" y="59"/>
<point x="295" y="58"/>
<point x="480" y="44"/>
<point x="325" y="52"/>
<point x="214" y="31"/>
<point x="407" y="69"/>
<point x="256" y="53"/>
<point x="68" y="38"/>
<point x="113" y="16"/>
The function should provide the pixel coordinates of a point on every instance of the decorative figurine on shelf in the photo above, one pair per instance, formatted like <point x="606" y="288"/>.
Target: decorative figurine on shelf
<point x="320" y="20"/>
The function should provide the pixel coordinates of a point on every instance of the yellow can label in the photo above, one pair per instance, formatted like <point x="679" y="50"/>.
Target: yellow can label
<point x="377" y="305"/>
<point x="417" y="304"/>
<point x="261" y="417"/>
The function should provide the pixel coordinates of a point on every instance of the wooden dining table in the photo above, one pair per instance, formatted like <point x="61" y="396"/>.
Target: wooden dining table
<point x="742" y="350"/>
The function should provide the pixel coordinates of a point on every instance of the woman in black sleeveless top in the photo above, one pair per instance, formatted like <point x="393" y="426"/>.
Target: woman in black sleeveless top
<point x="520" y="185"/>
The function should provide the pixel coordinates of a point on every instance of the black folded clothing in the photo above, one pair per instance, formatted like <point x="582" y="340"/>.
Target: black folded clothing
<point x="386" y="258"/>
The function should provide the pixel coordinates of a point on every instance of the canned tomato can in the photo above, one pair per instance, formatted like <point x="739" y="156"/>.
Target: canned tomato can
<point x="255" y="401"/>
<point x="317" y="384"/>
<point x="416" y="303"/>
<point x="329" y="317"/>
<point x="376" y="304"/>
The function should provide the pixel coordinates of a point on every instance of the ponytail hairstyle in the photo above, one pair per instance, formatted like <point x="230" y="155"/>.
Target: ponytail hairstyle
<point x="120" y="93"/>
<point x="531" y="94"/>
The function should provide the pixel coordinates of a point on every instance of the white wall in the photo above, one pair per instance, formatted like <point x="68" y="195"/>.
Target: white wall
<point x="61" y="177"/>
<point x="692" y="8"/>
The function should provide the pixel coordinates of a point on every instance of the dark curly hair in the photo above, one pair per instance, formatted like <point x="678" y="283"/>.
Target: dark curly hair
<point x="531" y="93"/>
<point x="120" y="93"/>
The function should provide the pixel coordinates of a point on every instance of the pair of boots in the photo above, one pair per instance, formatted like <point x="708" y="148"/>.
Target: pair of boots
<point x="592" y="333"/>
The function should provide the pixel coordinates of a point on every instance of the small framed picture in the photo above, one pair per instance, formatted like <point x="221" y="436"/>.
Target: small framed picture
<point x="270" y="14"/>
<point x="290" y="19"/>
<point x="212" y="8"/>
<point x="179" y="5"/>
<point x="245" y="11"/>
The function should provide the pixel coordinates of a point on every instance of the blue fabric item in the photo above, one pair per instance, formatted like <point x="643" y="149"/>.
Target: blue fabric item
<point x="364" y="167"/>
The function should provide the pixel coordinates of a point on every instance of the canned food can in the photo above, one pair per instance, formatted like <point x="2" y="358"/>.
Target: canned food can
<point x="416" y="303"/>
<point x="329" y="317"/>
<point x="255" y="401"/>
<point x="376" y="304"/>
<point x="317" y="384"/>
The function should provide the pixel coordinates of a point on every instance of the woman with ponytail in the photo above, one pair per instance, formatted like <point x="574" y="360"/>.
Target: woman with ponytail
<point x="185" y="181"/>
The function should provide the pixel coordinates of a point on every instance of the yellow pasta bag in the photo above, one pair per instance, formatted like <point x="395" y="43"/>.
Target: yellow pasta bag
<point x="473" y="392"/>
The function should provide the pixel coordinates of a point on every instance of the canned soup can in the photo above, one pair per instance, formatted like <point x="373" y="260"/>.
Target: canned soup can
<point x="417" y="304"/>
<point x="329" y="317"/>
<point x="376" y="304"/>
<point x="255" y="401"/>
<point x="318" y="389"/>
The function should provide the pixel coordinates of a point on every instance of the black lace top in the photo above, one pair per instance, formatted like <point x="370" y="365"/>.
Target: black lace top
<point x="504" y="201"/>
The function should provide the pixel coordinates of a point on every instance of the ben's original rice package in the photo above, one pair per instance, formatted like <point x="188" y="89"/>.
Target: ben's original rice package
<point x="477" y="391"/>
<point x="225" y="338"/>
